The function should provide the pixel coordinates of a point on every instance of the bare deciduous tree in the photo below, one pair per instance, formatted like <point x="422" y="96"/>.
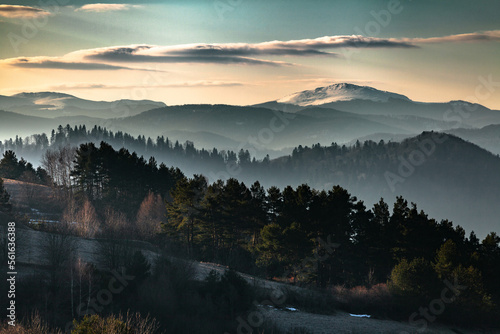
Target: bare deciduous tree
<point x="84" y="221"/>
<point x="150" y="216"/>
<point x="115" y="251"/>
<point x="58" y="163"/>
<point x="83" y="274"/>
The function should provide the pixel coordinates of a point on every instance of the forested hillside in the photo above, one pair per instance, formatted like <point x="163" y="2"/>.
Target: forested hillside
<point x="321" y="238"/>
<point x="449" y="177"/>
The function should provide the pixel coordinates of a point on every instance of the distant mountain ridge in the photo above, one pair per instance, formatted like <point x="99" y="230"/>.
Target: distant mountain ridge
<point x="28" y="95"/>
<point x="53" y="104"/>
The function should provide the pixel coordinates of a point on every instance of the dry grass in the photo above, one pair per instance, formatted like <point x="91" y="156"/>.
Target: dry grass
<point x="33" y="325"/>
<point x="25" y="195"/>
<point x="362" y="300"/>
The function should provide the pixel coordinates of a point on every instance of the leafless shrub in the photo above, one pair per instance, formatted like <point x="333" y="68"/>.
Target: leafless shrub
<point x="116" y="225"/>
<point x="142" y="325"/>
<point x="361" y="299"/>
<point x="150" y="216"/>
<point x="32" y="325"/>
<point x="83" y="221"/>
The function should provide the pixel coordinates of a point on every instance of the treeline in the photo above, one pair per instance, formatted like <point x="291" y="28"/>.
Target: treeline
<point x="366" y="164"/>
<point x="19" y="169"/>
<point x="163" y="149"/>
<point x="110" y="193"/>
<point x="229" y="223"/>
<point x="119" y="179"/>
<point x="362" y="167"/>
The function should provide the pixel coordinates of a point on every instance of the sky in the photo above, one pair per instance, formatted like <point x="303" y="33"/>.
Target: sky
<point x="250" y="51"/>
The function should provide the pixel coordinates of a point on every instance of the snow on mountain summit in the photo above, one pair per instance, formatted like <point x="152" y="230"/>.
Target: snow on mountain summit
<point x="339" y="92"/>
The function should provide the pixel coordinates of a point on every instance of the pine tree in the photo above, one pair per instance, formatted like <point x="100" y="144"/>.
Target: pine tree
<point x="414" y="278"/>
<point x="185" y="208"/>
<point x="5" y="205"/>
<point x="10" y="167"/>
<point x="447" y="258"/>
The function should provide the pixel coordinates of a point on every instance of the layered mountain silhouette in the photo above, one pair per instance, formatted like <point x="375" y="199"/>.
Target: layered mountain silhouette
<point x="340" y="113"/>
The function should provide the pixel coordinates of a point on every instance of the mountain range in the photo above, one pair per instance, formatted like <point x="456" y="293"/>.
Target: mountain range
<point x="339" y="113"/>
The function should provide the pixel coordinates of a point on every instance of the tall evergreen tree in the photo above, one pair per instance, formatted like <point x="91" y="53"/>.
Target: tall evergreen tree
<point x="9" y="166"/>
<point x="184" y="210"/>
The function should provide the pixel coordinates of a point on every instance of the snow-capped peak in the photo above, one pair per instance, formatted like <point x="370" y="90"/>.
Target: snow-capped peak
<point x="339" y="92"/>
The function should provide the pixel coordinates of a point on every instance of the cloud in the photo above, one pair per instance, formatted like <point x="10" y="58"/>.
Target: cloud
<point x="485" y="36"/>
<point x="332" y="42"/>
<point x="184" y="84"/>
<point x="232" y="53"/>
<point x="78" y="86"/>
<point x="242" y="53"/>
<point x="59" y="64"/>
<point x="236" y="53"/>
<point x="13" y="11"/>
<point x="156" y="54"/>
<point x="203" y="83"/>
<point x="106" y="7"/>
<point x="320" y="81"/>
